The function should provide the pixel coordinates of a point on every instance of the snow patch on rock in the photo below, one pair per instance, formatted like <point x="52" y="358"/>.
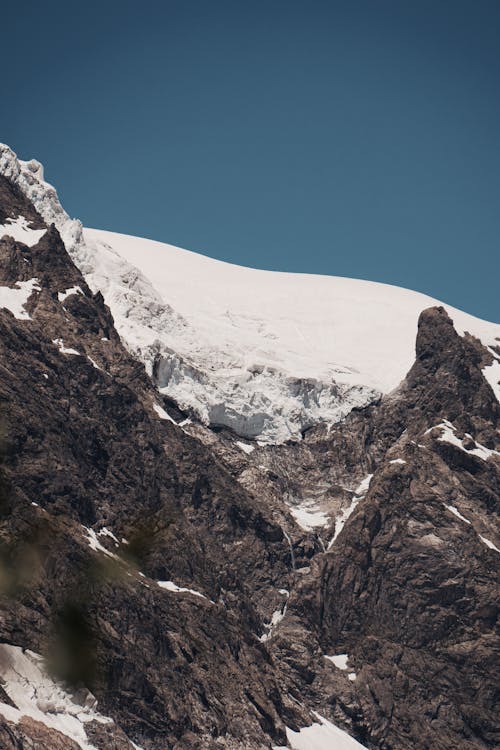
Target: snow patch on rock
<point x="322" y="735"/>
<point x="61" y="296"/>
<point x="20" y="230"/>
<point x="15" y="298"/>
<point x="492" y="374"/>
<point x="359" y="495"/>
<point x="95" y="544"/>
<point x="489" y="544"/>
<point x="483" y="539"/>
<point x="448" y="435"/>
<point x="276" y="618"/>
<point x="174" y="588"/>
<point x="309" y="516"/>
<point x="162" y="413"/>
<point x="456" y="513"/>
<point x="63" y="349"/>
<point x="245" y="447"/>
<point x="36" y="695"/>
<point x="93" y="363"/>
<point x="339" y="660"/>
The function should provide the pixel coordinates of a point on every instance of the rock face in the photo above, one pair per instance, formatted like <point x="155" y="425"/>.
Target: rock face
<point x="213" y="593"/>
<point x="104" y="497"/>
<point x="409" y="589"/>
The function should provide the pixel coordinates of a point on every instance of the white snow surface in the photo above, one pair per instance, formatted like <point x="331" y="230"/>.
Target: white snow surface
<point x="268" y="354"/>
<point x="309" y="517"/>
<point x="276" y="618"/>
<point x="63" y="349"/>
<point x="492" y="374"/>
<point x="457" y="513"/>
<point x="448" y="436"/>
<point x="15" y="298"/>
<point x="359" y="495"/>
<point x="245" y="447"/>
<point x="61" y="296"/>
<point x="162" y="413"/>
<point x="174" y="588"/>
<point x="20" y="230"/>
<point x="107" y="532"/>
<point x="35" y="694"/>
<point x="340" y="660"/>
<point x="322" y="735"/>
<point x="93" y="363"/>
<point x="489" y="544"/>
<point x="95" y="544"/>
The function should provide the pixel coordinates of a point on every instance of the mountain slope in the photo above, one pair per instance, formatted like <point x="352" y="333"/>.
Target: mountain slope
<point x="408" y="589"/>
<point x="128" y="556"/>
<point x="335" y="589"/>
<point x="352" y="331"/>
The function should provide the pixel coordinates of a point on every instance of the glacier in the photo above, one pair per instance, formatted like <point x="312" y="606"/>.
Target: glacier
<point x="266" y="354"/>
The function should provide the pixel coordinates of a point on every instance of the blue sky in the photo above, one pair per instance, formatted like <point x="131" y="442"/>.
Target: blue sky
<point x="357" y="138"/>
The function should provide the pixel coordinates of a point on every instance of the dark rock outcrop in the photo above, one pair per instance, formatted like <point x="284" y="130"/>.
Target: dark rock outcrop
<point x="103" y="499"/>
<point x="409" y="590"/>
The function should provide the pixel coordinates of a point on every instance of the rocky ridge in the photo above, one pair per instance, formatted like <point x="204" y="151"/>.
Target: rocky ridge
<point x="106" y="497"/>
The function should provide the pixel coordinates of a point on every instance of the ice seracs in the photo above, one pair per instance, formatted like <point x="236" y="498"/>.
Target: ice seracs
<point x="267" y="354"/>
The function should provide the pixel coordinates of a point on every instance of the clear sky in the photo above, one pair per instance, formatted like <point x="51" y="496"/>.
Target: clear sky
<point x="353" y="137"/>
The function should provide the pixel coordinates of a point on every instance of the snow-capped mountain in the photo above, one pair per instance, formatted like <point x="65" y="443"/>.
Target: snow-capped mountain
<point x="267" y="354"/>
<point x="167" y="584"/>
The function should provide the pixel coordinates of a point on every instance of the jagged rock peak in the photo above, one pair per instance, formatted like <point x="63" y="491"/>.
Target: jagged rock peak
<point x="435" y="331"/>
<point x="439" y="343"/>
